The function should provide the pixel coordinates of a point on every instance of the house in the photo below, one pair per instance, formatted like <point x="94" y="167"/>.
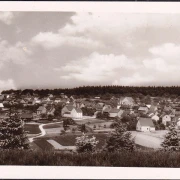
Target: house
<point x="76" y="113"/>
<point x="1" y="105"/>
<point x="129" y="101"/>
<point x="114" y="112"/>
<point x="106" y="108"/>
<point x="41" y="110"/>
<point x="50" y="110"/>
<point x="27" y="116"/>
<point x="145" y="125"/>
<point x="71" y="111"/>
<point x="153" y="109"/>
<point x="66" y="111"/>
<point x="166" y="118"/>
<point x="99" y="107"/>
<point x="155" y="117"/>
<point x="143" y="109"/>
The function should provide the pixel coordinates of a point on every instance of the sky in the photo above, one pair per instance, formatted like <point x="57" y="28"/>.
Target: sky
<point x="71" y="49"/>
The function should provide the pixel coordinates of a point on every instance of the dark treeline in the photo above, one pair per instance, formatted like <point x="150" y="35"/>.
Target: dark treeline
<point x="104" y="90"/>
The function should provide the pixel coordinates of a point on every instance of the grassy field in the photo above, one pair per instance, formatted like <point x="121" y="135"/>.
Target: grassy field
<point x="49" y="126"/>
<point x="68" y="140"/>
<point x="43" y="144"/>
<point x="122" y="159"/>
<point x="32" y="128"/>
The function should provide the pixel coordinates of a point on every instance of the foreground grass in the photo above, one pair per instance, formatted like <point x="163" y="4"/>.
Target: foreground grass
<point x="123" y="159"/>
<point x="32" y="128"/>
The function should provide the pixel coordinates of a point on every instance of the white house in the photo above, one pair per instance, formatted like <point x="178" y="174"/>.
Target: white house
<point x="126" y="101"/>
<point x="115" y="112"/>
<point x="155" y="117"/>
<point x="145" y="125"/>
<point x="165" y="119"/>
<point x="77" y="113"/>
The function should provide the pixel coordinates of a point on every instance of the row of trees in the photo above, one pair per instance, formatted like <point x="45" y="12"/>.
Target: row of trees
<point x="105" y="91"/>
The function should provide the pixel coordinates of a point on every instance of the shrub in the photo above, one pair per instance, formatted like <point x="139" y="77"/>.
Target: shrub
<point x="120" y="139"/>
<point x="171" y="141"/>
<point x="86" y="144"/>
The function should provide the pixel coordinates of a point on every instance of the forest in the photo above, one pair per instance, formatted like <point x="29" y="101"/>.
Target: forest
<point x="89" y="91"/>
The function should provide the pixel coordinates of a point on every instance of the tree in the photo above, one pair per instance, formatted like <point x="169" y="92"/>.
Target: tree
<point x="12" y="134"/>
<point x="119" y="139"/>
<point x="171" y="141"/>
<point x="83" y="128"/>
<point x="86" y="144"/>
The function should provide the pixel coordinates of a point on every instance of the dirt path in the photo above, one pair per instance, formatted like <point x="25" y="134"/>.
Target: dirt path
<point x="43" y="132"/>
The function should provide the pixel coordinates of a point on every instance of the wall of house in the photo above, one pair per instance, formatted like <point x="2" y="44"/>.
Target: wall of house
<point x="113" y="114"/>
<point x="166" y="119"/>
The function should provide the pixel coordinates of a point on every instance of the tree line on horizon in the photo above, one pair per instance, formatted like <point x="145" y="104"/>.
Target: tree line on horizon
<point x="86" y="91"/>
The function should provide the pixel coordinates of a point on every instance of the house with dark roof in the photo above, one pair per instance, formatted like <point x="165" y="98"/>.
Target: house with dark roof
<point x="66" y="111"/>
<point x="27" y="116"/>
<point x="145" y="125"/>
<point x="41" y="110"/>
<point x="114" y="112"/>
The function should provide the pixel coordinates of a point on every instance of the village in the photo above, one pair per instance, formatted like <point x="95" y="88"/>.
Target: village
<point x="55" y="121"/>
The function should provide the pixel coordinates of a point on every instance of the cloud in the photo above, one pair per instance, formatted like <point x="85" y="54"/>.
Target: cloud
<point x="6" y="17"/>
<point x="7" y="84"/>
<point x="97" y="67"/>
<point x="165" y="58"/>
<point x="18" y="53"/>
<point x="168" y="51"/>
<point x="50" y="40"/>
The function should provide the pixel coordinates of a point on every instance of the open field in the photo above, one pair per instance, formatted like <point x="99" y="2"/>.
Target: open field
<point x="68" y="140"/>
<point x="32" y="128"/>
<point x="138" y="158"/>
<point x="57" y="125"/>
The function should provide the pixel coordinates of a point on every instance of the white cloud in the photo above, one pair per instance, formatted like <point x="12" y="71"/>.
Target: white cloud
<point x="133" y="80"/>
<point x="50" y="40"/>
<point x="7" y="84"/>
<point x="168" y="51"/>
<point x="6" y="17"/>
<point x="165" y="58"/>
<point x="18" y="53"/>
<point x="97" y="67"/>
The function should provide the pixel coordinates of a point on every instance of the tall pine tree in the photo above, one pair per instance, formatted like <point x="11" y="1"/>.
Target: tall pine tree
<point x="120" y="139"/>
<point x="171" y="141"/>
<point x="12" y="134"/>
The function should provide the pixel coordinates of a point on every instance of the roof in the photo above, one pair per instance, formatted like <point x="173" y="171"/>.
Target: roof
<point x="106" y="109"/>
<point x="26" y="116"/>
<point x="128" y="98"/>
<point x="70" y="108"/>
<point x="146" y="122"/>
<point x="78" y="110"/>
<point x="1" y="105"/>
<point x="40" y="108"/>
<point x="114" y="110"/>
<point x="142" y="108"/>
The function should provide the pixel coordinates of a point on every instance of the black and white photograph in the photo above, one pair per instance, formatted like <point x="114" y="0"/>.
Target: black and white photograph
<point x="89" y="88"/>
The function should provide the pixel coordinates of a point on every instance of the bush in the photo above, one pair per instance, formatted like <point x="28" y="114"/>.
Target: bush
<point x="120" y="139"/>
<point x="86" y="144"/>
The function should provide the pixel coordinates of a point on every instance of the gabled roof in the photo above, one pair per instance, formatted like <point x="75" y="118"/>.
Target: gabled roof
<point x="78" y="110"/>
<point x="40" y="108"/>
<point x="26" y="115"/>
<point x="142" y="108"/>
<point x="146" y="122"/>
<point x="114" y="110"/>
<point x="70" y="108"/>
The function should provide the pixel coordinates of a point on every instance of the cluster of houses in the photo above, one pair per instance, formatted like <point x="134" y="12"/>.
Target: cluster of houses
<point x="163" y="109"/>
